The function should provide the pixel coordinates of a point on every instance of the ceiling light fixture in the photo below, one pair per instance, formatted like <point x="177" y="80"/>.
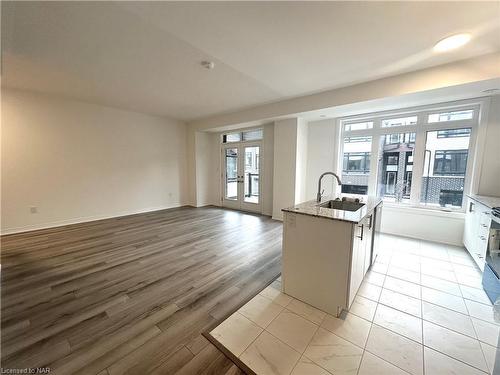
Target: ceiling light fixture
<point x="208" y="64"/>
<point x="452" y="42"/>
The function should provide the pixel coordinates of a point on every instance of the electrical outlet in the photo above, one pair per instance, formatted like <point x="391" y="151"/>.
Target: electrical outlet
<point x="33" y="210"/>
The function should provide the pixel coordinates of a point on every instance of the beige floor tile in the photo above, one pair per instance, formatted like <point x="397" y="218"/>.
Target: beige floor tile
<point x="269" y="356"/>
<point x="276" y="296"/>
<point x="438" y="272"/>
<point x="401" y="302"/>
<point x="440" y="284"/>
<point x="375" y="278"/>
<point x="463" y="260"/>
<point x="292" y="330"/>
<point x="369" y="291"/>
<point x="439" y="364"/>
<point x="307" y="367"/>
<point x="260" y="310"/>
<point x="472" y="281"/>
<point x="333" y="353"/>
<point x="442" y="264"/>
<point x="481" y="311"/>
<point x="474" y="294"/>
<point x="492" y="356"/>
<point x="402" y="286"/>
<point x="448" y="318"/>
<point x="350" y="327"/>
<point x="306" y="311"/>
<point x="396" y="349"/>
<point x="380" y="267"/>
<point x="236" y="333"/>
<point x="406" y="261"/>
<point x="444" y="299"/>
<point x="487" y="332"/>
<point x="403" y="274"/>
<point x="373" y="365"/>
<point x="363" y="307"/>
<point x="399" y="322"/>
<point x="472" y="271"/>
<point x="456" y="345"/>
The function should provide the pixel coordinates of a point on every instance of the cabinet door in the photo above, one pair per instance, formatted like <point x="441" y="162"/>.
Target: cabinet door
<point x="368" y="242"/>
<point x="470" y="230"/>
<point x="356" y="264"/>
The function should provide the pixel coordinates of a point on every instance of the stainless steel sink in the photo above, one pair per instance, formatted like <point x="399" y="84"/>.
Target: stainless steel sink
<point x="342" y="205"/>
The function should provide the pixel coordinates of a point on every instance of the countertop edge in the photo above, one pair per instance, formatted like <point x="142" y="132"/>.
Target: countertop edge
<point x="488" y="201"/>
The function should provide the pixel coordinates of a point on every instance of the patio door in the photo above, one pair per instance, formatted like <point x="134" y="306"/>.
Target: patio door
<point x="241" y="177"/>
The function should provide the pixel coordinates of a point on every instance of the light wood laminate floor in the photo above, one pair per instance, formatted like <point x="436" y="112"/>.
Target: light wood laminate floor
<point x="132" y="295"/>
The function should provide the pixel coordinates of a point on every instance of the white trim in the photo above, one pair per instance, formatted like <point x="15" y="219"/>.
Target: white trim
<point x="84" y="219"/>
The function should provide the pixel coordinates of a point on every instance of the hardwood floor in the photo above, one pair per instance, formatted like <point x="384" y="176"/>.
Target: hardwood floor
<point x="132" y="295"/>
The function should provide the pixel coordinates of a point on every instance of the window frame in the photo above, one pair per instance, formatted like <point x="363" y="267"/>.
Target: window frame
<point x="451" y="152"/>
<point x="420" y="129"/>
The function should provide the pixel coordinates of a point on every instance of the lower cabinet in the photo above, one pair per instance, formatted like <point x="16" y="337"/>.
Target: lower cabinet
<point x="361" y="254"/>
<point x="476" y="231"/>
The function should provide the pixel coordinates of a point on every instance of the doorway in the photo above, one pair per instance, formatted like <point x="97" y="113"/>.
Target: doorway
<point x="241" y="176"/>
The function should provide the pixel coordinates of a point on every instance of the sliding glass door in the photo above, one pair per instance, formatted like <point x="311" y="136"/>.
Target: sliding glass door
<point x="241" y="178"/>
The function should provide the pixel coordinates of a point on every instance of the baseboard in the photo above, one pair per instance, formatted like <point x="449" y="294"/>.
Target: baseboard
<point x="85" y="219"/>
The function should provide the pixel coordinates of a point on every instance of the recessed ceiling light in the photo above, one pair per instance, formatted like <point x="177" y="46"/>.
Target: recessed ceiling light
<point x="452" y="42"/>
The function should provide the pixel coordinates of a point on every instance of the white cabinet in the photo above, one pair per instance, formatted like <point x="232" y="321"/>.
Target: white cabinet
<point x="477" y="226"/>
<point x="361" y="254"/>
<point x="324" y="261"/>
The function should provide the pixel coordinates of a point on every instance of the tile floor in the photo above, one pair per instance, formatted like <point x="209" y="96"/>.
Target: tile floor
<point x="420" y="310"/>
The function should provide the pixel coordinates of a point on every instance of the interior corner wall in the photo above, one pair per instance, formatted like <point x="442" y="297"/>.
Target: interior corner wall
<point x="301" y="162"/>
<point x="489" y="181"/>
<point x="285" y="154"/>
<point x="268" y="170"/>
<point x="76" y="161"/>
<point x="207" y="156"/>
<point x="320" y="156"/>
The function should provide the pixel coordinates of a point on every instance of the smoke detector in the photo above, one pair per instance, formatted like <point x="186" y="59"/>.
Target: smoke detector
<point x="208" y="64"/>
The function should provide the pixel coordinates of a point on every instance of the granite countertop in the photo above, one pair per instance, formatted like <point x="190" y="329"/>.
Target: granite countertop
<point x="487" y="201"/>
<point x="312" y="208"/>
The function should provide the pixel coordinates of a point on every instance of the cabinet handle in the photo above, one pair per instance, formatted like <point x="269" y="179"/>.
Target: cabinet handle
<point x="484" y="225"/>
<point x="471" y="204"/>
<point x="370" y="222"/>
<point x="362" y="230"/>
<point x="482" y="238"/>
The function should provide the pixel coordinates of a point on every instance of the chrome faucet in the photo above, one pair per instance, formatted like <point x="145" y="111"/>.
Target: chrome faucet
<point x="318" y="196"/>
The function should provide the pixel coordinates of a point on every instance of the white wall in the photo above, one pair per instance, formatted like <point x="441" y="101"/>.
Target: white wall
<point x="320" y="156"/>
<point x="489" y="182"/>
<point x="301" y="162"/>
<point x="268" y="170"/>
<point x="285" y="153"/>
<point x="207" y="154"/>
<point x="76" y="161"/>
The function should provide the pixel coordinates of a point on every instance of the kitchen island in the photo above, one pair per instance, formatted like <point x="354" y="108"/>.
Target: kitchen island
<point x="327" y="250"/>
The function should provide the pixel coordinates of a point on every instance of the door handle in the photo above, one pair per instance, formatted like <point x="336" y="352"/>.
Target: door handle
<point x="362" y="230"/>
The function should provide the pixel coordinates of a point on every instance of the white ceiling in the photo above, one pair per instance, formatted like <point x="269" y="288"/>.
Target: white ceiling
<point x="145" y="56"/>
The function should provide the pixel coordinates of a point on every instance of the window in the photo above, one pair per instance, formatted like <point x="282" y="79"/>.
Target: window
<point x="253" y="135"/>
<point x="451" y="116"/>
<point x="356" y="162"/>
<point x="396" y="167"/>
<point x="231" y="137"/>
<point x="453" y="133"/>
<point x="249" y="135"/>
<point x="402" y="121"/>
<point x="358" y="126"/>
<point x="450" y="162"/>
<point x="445" y="168"/>
<point x="418" y="158"/>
